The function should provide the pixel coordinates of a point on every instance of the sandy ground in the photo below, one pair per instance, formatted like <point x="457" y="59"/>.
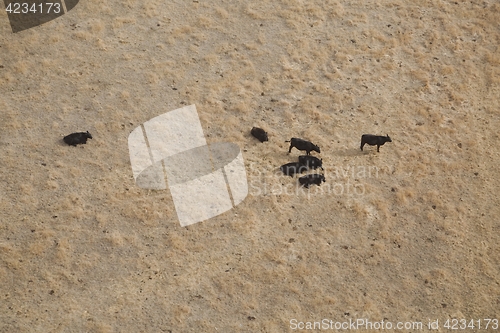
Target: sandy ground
<point x="407" y="234"/>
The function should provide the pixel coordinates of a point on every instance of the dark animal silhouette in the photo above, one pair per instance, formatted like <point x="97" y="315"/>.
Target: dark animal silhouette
<point x="77" y="138"/>
<point x="373" y="140"/>
<point x="302" y="145"/>
<point x="260" y="134"/>
<point x="290" y="169"/>
<point x="311" y="162"/>
<point x="314" y="178"/>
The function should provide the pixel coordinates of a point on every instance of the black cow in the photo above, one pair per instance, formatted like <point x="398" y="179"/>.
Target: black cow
<point x="311" y="162"/>
<point x="260" y="134"/>
<point x="314" y="178"/>
<point x="77" y="138"/>
<point x="373" y="140"/>
<point x="290" y="169"/>
<point x="302" y="145"/>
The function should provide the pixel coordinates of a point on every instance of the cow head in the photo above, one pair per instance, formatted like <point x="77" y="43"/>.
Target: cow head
<point x="316" y="149"/>
<point x="388" y="139"/>
<point x="88" y="135"/>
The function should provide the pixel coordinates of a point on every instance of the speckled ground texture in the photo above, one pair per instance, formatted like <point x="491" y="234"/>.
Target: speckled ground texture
<point x="407" y="234"/>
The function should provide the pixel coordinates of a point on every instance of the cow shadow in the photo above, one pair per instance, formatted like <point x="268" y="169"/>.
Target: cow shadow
<point x="350" y="152"/>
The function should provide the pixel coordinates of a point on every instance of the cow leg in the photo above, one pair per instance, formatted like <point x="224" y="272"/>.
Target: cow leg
<point x="378" y="146"/>
<point x="362" y="144"/>
<point x="290" y="150"/>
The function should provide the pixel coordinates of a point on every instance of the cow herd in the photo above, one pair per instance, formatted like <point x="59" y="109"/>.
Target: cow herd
<point x="308" y="162"/>
<point x="305" y="162"/>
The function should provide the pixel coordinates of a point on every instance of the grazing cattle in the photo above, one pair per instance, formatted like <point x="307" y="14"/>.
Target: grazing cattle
<point x="311" y="179"/>
<point x="77" y="138"/>
<point x="302" y="145"/>
<point x="311" y="162"/>
<point x="260" y="134"/>
<point x="373" y="140"/>
<point x="290" y="169"/>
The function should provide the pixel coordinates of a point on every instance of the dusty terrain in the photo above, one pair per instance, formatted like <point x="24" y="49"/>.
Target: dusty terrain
<point x="407" y="234"/>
